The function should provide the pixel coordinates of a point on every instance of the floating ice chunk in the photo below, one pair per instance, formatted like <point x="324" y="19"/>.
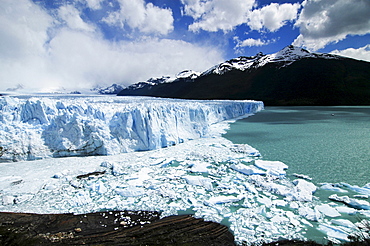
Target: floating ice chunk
<point x="276" y="188"/>
<point x="346" y="210"/>
<point x="279" y="219"/>
<point x="303" y="190"/>
<point x="344" y="222"/>
<point x="199" y="166"/>
<point x="273" y="167"/>
<point x="247" y="170"/>
<point x="264" y="200"/>
<point x="332" y="187"/>
<point x="245" y="149"/>
<point x="362" y="190"/>
<point x="293" y="205"/>
<point x="247" y="231"/>
<point x="250" y="188"/>
<point x="130" y="191"/>
<point x="200" y="181"/>
<point x="221" y="199"/>
<point x="309" y="213"/>
<point x="302" y="176"/>
<point x="334" y="231"/>
<point x="366" y="213"/>
<point x="355" y="203"/>
<point x="361" y="196"/>
<point x="327" y="210"/>
<point x="279" y="203"/>
<point x="292" y="218"/>
<point x="138" y="178"/>
<point x="209" y="214"/>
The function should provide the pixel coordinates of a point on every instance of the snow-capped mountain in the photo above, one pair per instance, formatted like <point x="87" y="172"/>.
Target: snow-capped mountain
<point x="113" y="89"/>
<point x="186" y="75"/>
<point x="292" y="76"/>
<point x="285" y="57"/>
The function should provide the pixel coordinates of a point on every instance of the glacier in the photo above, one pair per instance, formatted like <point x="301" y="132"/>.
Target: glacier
<point x="209" y="176"/>
<point x="59" y="126"/>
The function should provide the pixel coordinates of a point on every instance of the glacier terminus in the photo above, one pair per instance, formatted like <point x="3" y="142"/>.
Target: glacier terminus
<point x="34" y="128"/>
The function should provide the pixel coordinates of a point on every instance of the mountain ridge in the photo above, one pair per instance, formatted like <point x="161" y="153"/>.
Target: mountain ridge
<point x="292" y="76"/>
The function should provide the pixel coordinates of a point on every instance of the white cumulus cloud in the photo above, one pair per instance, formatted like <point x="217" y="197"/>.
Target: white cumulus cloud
<point x="214" y="15"/>
<point x="249" y="42"/>
<point x="362" y="53"/>
<point x="94" y="4"/>
<point x="273" y="16"/>
<point x="39" y="53"/>
<point x="322" y="22"/>
<point x="225" y="15"/>
<point x="145" y="18"/>
<point x="71" y="16"/>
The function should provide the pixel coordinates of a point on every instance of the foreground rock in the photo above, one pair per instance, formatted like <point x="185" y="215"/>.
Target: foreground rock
<point x="110" y="228"/>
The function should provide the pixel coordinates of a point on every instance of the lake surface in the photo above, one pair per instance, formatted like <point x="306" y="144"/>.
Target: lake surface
<point x="330" y="144"/>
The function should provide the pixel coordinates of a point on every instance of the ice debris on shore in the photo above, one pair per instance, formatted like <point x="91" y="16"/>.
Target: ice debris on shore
<point x="206" y="177"/>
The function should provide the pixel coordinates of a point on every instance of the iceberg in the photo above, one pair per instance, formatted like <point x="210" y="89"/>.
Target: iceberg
<point x="332" y="187"/>
<point x="272" y="167"/>
<point x="365" y="190"/>
<point x="327" y="210"/>
<point x="351" y="202"/>
<point x="334" y="232"/>
<point x="59" y="126"/>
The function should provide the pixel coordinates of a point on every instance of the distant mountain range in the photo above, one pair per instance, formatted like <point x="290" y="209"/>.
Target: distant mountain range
<point x="292" y="76"/>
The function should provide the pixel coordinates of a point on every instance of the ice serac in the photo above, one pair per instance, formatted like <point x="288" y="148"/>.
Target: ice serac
<point x="35" y="128"/>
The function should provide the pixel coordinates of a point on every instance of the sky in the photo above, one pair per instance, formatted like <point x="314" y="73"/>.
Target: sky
<point x="48" y="45"/>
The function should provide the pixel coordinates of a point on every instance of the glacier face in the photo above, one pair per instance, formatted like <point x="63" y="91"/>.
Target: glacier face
<point x="59" y="126"/>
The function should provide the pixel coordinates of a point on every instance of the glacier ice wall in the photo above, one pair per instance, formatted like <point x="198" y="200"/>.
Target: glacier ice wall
<point x="59" y="126"/>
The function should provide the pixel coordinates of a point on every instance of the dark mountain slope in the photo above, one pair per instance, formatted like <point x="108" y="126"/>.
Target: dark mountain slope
<point x="311" y="80"/>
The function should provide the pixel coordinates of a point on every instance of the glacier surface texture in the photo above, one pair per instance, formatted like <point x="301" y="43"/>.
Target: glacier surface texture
<point x="35" y="128"/>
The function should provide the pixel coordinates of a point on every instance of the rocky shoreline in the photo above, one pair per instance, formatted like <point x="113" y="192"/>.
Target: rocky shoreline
<point x="110" y="228"/>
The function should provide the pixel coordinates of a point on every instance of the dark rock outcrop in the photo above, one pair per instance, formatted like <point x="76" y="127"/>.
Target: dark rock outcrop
<point x="110" y="228"/>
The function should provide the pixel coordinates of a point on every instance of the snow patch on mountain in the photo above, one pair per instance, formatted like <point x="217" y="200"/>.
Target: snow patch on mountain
<point x="38" y="127"/>
<point x="186" y="75"/>
<point x="286" y="56"/>
<point x="112" y="89"/>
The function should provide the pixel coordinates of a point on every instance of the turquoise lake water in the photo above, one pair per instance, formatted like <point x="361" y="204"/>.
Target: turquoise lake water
<point x="329" y="144"/>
